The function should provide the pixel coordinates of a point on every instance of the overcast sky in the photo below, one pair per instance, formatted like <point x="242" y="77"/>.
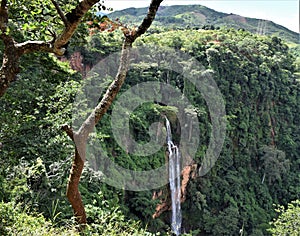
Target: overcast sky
<point x="285" y="12"/>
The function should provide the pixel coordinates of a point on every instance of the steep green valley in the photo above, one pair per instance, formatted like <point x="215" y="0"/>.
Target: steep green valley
<point x="256" y="172"/>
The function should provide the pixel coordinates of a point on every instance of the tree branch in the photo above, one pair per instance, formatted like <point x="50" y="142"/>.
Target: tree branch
<point x="10" y="63"/>
<point x="60" y="12"/>
<point x="154" y="5"/>
<point x="3" y="3"/>
<point x="73" y="193"/>
<point x="115" y="86"/>
<point x="74" y="17"/>
<point x="68" y="130"/>
<point x="35" y="46"/>
<point x="3" y="16"/>
<point x="13" y="51"/>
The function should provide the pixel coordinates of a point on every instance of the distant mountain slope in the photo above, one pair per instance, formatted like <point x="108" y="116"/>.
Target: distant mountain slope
<point x="182" y="16"/>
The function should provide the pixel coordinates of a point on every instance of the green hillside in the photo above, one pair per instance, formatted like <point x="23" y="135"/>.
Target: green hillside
<point x="256" y="171"/>
<point x="258" y="165"/>
<point x="197" y="16"/>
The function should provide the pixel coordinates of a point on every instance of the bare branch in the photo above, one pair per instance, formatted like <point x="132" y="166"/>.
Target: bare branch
<point x="112" y="91"/>
<point x="60" y="12"/>
<point x="154" y="5"/>
<point x="73" y="193"/>
<point x="115" y="86"/>
<point x="74" y="17"/>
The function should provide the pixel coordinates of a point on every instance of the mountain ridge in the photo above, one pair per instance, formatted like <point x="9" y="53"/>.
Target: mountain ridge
<point x="198" y="16"/>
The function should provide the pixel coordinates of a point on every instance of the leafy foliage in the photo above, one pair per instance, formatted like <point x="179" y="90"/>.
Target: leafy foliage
<point x="16" y="221"/>
<point x="288" y="221"/>
<point x="40" y="21"/>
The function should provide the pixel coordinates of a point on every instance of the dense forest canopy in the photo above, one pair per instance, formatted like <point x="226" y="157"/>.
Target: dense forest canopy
<point x="258" y="77"/>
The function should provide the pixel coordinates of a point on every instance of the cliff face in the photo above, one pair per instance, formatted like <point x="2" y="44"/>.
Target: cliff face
<point x="76" y="63"/>
<point x="187" y="173"/>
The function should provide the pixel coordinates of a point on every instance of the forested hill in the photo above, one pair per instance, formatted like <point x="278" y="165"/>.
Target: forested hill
<point x="197" y="16"/>
<point x="257" y="170"/>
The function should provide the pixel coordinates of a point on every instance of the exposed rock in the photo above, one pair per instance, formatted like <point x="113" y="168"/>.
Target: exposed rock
<point x="75" y="62"/>
<point x="187" y="173"/>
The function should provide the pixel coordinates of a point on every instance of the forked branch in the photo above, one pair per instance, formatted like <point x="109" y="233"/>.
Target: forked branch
<point x="88" y="125"/>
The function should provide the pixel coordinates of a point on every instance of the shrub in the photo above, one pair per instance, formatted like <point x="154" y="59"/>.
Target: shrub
<point x="15" y="221"/>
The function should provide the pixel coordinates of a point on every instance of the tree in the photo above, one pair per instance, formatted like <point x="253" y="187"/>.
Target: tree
<point x="13" y="51"/>
<point x="80" y="137"/>
<point x="32" y="17"/>
<point x="288" y="221"/>
<point x="274" y="164"/>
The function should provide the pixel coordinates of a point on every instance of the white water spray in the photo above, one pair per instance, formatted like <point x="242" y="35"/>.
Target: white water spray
<point x="174" y="178"/>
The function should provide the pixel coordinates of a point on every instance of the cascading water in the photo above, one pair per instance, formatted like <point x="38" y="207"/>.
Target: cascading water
<point x="174" y="178"/>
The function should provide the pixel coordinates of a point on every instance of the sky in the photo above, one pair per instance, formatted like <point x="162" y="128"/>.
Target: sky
<point x="283" y="12"/>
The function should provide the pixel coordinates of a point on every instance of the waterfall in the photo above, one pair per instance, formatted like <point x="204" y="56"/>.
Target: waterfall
<point x="174" y="178"/>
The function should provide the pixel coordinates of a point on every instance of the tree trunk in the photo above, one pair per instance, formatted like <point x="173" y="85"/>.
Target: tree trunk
<point x="10" y="64"/>
<point x="72" y="189"/>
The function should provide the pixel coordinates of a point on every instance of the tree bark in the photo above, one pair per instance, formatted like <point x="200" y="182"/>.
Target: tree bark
<point x="80" y="137"/>
<point x="73" y="194"/>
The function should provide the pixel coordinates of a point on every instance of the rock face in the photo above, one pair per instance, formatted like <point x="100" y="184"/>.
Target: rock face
<point x="187" y="173"/>
<point x="76" y="63"/>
